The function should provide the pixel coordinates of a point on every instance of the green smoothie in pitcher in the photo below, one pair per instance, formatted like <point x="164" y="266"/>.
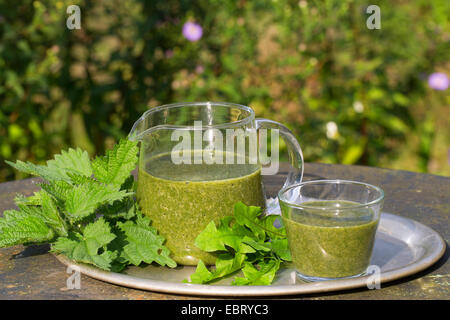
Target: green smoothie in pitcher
<point x="182" y="199"/>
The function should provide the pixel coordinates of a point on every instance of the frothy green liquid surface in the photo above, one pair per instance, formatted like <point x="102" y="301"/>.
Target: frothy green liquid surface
<point x="182" y="199"/>
<point x="329" y="246"/>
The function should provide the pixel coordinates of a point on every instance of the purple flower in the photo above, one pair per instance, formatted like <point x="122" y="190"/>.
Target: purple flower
<point x="199" y="69"/>
<point x="192" y="31"/>
<point x="277" y="223"/>
<point x="438" y="81"/>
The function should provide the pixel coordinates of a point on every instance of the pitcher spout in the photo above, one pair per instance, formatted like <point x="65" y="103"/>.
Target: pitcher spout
<point x="137" y="130"/>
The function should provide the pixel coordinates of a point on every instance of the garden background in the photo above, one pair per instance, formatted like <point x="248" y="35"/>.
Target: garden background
<point x="350" y="94"/>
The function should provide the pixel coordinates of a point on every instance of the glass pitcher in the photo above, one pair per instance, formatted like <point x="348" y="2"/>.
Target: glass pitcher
<point x="196" y="161"/>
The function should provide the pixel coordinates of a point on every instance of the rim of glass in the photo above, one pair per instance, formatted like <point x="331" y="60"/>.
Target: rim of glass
<point x="205" y="104"/>
<point x="333" y="181"/>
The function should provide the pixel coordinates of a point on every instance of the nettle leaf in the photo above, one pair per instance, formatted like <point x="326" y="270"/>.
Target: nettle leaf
<point x="49" y="174"/>
<point x="26" y="229"/>
<point x="52" y="216"/>
<point x="129" y="184"/>
<point x="117" y="245"/>
<point x="45" y="216"/>
<point x="57" y="189"/>
<point x="73" y="160"/>
<point x="82" y="200"/>
<point x="10" y="216"/>
<point x="34" y="200"/>
<point x="76" y="178"/>
<point x="97" y="235"/>
<point x="78" y="251"/>
<point x="116" y="165"/>
<point x="144" y="243"/>
<point x="123" y="209"/>
<point x="89" y="247"/>
<point x="47" y="212"/>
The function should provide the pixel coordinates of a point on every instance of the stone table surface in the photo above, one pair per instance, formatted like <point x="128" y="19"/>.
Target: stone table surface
<point x="33" y="273"/>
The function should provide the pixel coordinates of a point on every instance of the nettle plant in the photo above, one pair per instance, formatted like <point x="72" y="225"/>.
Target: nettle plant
<point x="86" y="210"/>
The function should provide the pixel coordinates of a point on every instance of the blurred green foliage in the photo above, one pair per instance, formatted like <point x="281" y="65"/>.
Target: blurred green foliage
<point x="311" y="65"/>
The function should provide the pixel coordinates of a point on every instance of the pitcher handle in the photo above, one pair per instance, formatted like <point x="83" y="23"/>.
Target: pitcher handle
<point x="294" y="151"/>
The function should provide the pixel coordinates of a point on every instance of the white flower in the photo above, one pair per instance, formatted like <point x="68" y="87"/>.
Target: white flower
<point x="313" y="61"/>
<point x="332" y="130"/>
<point x="302" y="4"/>
<point x="358" y="106"/>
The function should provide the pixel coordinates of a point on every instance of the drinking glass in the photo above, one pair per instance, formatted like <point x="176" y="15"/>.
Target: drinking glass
<point x="331" y="226"/>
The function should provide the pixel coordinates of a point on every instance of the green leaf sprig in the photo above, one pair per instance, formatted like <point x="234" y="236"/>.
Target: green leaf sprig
<point x="249" y="242"/>
<point x="86" y="210"/>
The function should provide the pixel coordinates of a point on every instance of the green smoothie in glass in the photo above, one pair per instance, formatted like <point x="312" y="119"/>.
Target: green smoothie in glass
<point x="331" y="226"/>
<point x="323" y="246"/>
